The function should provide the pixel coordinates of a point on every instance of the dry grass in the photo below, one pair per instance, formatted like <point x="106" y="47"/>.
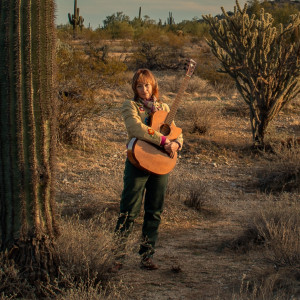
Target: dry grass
<point x="275" y="231"/>
<point x="87" y="250"/>
<point x="282" y="173"/>
<point x="201" y="117"/>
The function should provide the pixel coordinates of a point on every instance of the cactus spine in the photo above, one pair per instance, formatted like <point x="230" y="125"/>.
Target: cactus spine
<point x="27" y="131"/>
<point x="76" y="20"/>
<point x="262" y="60"/>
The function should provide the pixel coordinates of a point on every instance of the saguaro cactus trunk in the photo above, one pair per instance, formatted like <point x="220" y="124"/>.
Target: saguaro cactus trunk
<point x="27" y="133"/>
<point x="76" y="20"/>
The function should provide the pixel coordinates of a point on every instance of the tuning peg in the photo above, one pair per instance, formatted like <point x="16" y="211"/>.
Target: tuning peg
<point x="189" y="63"/>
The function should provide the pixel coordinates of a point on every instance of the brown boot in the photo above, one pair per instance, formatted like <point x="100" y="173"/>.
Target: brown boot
<point x="148" y="264"/>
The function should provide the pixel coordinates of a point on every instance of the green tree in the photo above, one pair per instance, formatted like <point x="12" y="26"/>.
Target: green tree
<point x="27" y="136"/>
<point x="118" y="26"/>
<point x="263" y="61"/>
<point x="280" y="11"/>
<point x="254" y="7"/>
<point x="115" y="18"/>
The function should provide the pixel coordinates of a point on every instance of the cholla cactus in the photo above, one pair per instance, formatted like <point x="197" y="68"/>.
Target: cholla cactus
<point x="263" y="60"/>
<point x="27" y="134"/>
<point x="76" y="20"/>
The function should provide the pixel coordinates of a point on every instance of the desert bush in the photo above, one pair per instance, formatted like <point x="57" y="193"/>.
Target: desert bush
<point x="282" y="173"/>
<point x="277" y="227"/>
<point x="171" y="83"/>
<point x="236" y="108"/>
<point x="280" y="11"/>
<point x="203" y="117"/>
<point x="87" y="250"/>
<point x="158" y="50"/>
<point x="80" y="76"/>
<point x="197" y="196"/>
<point x="91" y="290"/>
<point x="156" y="57"/>
<point x="12" y="285"/>
<point x="195" y="29"/>
<point x="64" y="32"/>
<point x="222" y="83"/>
<point x="120" y="30"/>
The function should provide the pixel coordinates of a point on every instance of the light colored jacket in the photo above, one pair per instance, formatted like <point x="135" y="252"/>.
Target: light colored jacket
<point x="136" y="117"/>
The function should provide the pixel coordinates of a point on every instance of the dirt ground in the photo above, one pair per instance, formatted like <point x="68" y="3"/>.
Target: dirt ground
<point x="194" y="262"/>
<point x="192" y="252"/>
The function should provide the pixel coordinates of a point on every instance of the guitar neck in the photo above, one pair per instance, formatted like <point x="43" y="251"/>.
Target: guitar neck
<point x="171" y="115"/>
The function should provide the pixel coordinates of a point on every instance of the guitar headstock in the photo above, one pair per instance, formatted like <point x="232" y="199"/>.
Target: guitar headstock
<point x="190" y="66"/>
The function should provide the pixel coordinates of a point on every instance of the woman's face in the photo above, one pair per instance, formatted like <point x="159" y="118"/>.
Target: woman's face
<point x="144" y="90"/>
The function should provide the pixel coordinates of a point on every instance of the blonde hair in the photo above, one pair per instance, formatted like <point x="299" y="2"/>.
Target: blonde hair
<point x="144" y="76"/>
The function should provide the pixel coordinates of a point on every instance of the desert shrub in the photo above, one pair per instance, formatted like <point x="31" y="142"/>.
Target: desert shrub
<point x="199" y="86"/>
<point x="73" y="110"/>
<point x="277" y="227"/>
<point x="187" y="200"/>
<point x="222" y="82"/>
<point x="85" y="248"/>
<point x="91" y="290"/>
<point x="171" y="83"/>
<point x="195" y="29"/>
<point x="12" y="285"/>
<point x="158" y="50"/>
<point x="120" y="30"/>
<point x="280" y="11"/>
<point x="64" y="32"/>
<point x="87" y="251"/>
<point x="203" y="117"/>
<point x="281" y="174"/>
<point x="197" y="197"/>
<point x="80" y="76"/>
<point x="236" y="108"/>
<point x="156" y="57"/>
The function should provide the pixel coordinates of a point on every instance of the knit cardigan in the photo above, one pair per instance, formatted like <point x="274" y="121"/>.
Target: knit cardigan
<point x="136" y="117"/>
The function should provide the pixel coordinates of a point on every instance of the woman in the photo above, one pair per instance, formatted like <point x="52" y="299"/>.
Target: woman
<point x="136" y="114"/>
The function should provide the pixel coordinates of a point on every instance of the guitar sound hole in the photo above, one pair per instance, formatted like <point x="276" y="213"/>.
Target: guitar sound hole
<point x="165" y="129"/>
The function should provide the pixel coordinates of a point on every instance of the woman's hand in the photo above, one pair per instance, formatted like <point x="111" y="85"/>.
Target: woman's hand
<point x="171" y="147"/>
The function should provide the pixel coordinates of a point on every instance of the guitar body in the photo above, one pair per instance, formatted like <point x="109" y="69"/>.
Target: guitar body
<point x="152" y="158"/>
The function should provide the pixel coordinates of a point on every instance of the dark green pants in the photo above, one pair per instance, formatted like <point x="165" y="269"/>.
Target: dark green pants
<point x="138" y="183"/>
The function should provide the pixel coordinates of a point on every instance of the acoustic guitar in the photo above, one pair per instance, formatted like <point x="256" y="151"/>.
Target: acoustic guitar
<point x="152" y="158"/>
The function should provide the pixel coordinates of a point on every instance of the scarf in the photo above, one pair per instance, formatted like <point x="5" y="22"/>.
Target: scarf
<point x="152" y="103"/>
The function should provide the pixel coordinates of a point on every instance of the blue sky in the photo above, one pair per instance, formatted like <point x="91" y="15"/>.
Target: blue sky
<point x="95" y="11"/>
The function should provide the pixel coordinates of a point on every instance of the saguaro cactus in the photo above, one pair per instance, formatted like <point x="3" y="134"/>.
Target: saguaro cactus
<point x="262" y="59"/>
<point x="27" y="134"/>
<point x="170" y="19"/>
<point x="75" y="20"/>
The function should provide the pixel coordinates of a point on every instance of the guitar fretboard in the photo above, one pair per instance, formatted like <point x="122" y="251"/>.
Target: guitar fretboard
<point x="171" y="115"/>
